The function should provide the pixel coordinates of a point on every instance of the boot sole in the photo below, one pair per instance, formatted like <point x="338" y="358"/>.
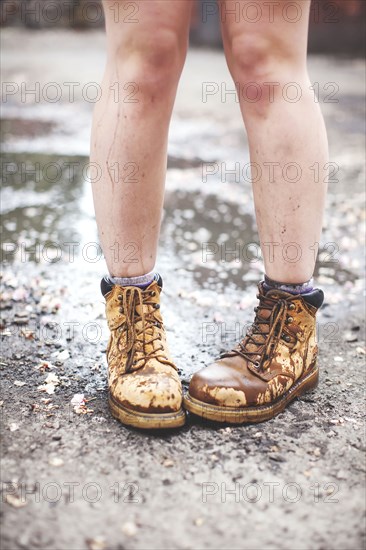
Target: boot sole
<point x="145" y="421"/>
<point x="236" y="415"/>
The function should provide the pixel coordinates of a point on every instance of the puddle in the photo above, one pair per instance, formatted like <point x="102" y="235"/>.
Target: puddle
<point x="21" y="128"/>
<point x="48" y="215"/>
<point x="41" y="202"/>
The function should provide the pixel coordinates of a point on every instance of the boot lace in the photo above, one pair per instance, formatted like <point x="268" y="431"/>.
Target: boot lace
<point x="142" y="329"/>
<point x="260" y="340"/>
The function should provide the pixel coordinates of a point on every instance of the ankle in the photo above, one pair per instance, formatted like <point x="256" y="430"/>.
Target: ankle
<point x="141" y="281"/>
<point x="292" y="288"/>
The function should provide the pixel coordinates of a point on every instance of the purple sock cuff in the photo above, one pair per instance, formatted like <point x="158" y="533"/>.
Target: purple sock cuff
<point x="297" y="288"/>
<point x="142" y="281"/>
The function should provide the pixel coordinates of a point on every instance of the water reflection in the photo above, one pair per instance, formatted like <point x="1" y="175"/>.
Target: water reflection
<point x="48" y="217"/>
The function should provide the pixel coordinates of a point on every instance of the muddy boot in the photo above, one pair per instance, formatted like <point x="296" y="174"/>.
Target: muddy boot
<point x="144" y="387"/>
<point x="273" y="364"/>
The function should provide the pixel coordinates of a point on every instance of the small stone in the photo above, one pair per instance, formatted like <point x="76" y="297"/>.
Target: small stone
<point x="56" y="461"/>
<point x="276" y="457"/>
<point x="13" y="427"/>
<point x="24" y="540"/>
<point x="199" y="521"/>
<point x="98" y="543"/>
<point x="62" y="356"/>
<point x="21" y="321"/>
<point x="168" y="463"/>
<point x="21" y="318"/>
<point x="21" y="314"/>
<point x="49" y="304"/>
<point x="350" y="419"/>
<point x="19" y="383"/>
<point x="14" y="501"/>
<point x="19" y="294"/>
<point x="129" y="529"/>
<point x="336" y="421"/>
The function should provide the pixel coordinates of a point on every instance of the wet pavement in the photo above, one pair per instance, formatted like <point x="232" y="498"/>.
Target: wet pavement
<point x="300" y="475"/>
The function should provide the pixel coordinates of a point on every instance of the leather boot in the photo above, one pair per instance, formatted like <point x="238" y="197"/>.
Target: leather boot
<point x="273" y="364"/>
<point x="144" y="387"/>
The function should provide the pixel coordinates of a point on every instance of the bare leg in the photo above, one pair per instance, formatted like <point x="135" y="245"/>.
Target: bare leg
<point x="286" y="132"/>
<point x="276" y="360"/>
<point x="146" y="53"/>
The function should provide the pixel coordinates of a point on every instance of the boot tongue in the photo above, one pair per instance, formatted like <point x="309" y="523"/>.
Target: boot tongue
<point x="275" y="293"/>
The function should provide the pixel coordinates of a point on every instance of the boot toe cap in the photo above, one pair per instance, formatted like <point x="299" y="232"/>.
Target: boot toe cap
<point x="218" y="386"/>
<point x="229" y="383"/>
<point x="149" y="390"/>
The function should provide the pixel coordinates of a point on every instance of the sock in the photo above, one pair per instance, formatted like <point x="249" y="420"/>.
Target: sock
<point x="142" y="281"/>
<point x="298" y="288"/>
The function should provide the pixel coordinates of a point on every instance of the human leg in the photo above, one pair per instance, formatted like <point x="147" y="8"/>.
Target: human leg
<point x="146" y="52"/>
<point x="145" y="56"/>
<point x="276" y="360"/>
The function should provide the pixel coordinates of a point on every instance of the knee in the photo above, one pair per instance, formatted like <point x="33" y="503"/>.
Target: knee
<point x="247" y="56"/>
<point x="262" y="68"/>
<point x="153" y="62"/>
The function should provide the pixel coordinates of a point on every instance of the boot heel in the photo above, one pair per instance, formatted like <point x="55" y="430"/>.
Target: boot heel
<point x="310" y="380"/>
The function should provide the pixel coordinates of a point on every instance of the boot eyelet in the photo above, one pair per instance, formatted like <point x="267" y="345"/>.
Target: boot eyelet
<point x="291" y="306"/>
<point x="290" y="319"/>
<point x="121" y="309"/>
<point x="157" y="306"/>
<point x="152" y="293"/>
<point x="286" y="338"/>
<point x="120" y="297"/>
